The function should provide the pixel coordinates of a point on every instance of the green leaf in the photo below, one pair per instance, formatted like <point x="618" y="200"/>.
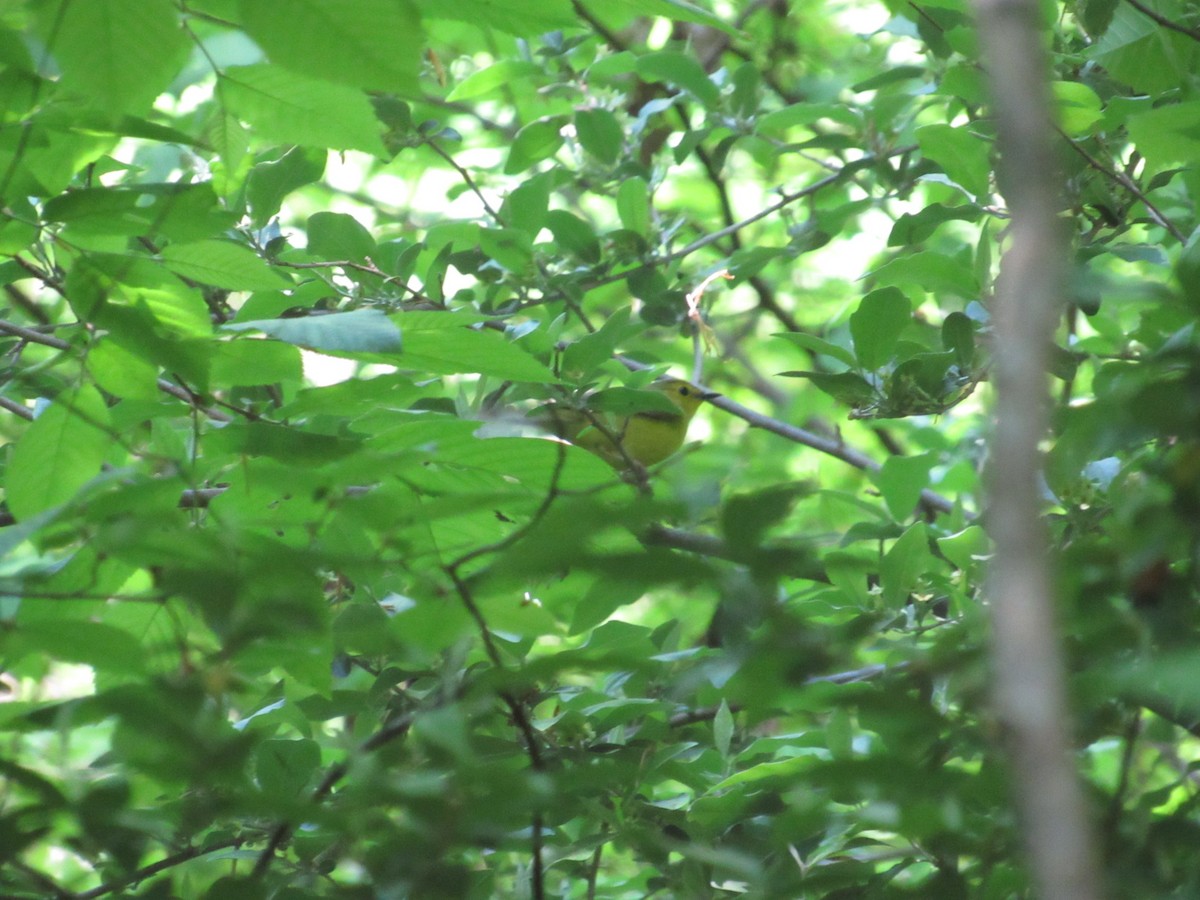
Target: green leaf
<point x="723" y="728"/>
<point x="374" y="45"/>
<point x="120" y="54"/>
<point x="60" y="452"/>
<point x="782" y="120"/>
<point x="633" y="205"/>
<point x="285" y="767"/>
<point x="846" y="387"/>
<point x="930" y="271"/>
<point x="904" y="564"/>
<point x="120" y="372"/>
<point x="958" y="335"/>
<point x="963" y="156"/>
<point x="574" y="235"/>
<point x="599" y="133"/>
<point x="223" y="264"/>
<point x="819" y="346"/>
<point x="95" y="644"/>
<point x="1167" y="135"/>
<point x="680" y="10"/>
<point x="914" y="228"/>
<point x="967" y="548"/>
<point x="502" y="75"/>
<point x="289" y="108"/>
<point x="535" y="142"/>
<point x="681" y="70"/>
<point x="527" y="207"/>
<point x="519" y="17"/>
<point x="357" y="331"/>
<point x="270" y="182"/>
<point x="456" y="349"/>
<point x="1095" y="15"/>
<point x="877" y="324"/>
<point x="1079" y="107"/>
<point x="250" y="362"/>
<point x="901" y="479"/>
<point x="339" y="236"/>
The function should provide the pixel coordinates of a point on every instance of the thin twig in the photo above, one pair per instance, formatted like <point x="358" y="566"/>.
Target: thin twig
<point x="1128" y="183"/>
<point x="145" y="872"/>
<point x="1162" y="20"/>
<point x="16" y="408"/>
<point x="467" y="179"/>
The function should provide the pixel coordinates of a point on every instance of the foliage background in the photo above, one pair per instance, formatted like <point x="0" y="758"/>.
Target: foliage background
<point x="296" y="604"/>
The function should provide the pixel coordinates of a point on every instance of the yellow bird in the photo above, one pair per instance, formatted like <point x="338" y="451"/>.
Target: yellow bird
<point x="645" y="437"/>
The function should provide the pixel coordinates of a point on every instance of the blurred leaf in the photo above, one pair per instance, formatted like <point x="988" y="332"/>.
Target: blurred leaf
<point x="535" y="142"/>
<point x="356" y="331"/>
<point x="291" y="108"/>
<point x="903" y="565"/>
<point x="378" y="47"/>
<point x="223" y="264"/>
<point x="877" y="324"/>
<point x="59" y="453"/>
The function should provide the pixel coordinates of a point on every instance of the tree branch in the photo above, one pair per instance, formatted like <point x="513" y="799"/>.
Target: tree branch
<point x="1164" y="21"/>
<point x="1028" y="671"/>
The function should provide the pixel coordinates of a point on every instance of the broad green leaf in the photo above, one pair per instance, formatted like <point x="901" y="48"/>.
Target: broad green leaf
<point x="374" y="44"/>
<point x="523" y="18"/>
<point x="904" y="564"/>
<point x="1079" y="108"/>
<point x="599" y="133"/>
<point x="788" y="117"/>
<point x="574" y="235"/>
<point x="930" y="271"/>
<point x="820" y="346"/>
<point x="1137" y="52"/>
<point x="681" y="70"/>
<point x="500" y="75"/>
<point x="963" y="156"/>
<point x="901" y="480"/>
<point x="846" y="387"/>
<point x="1167" y="135"/>
<point x="466" y="350"/>
<point x="120" y="372"/>
<point x="60" y="452"/>
<point x="958" y="335"/>
<point x="893" y="75"/>
<point x="582" y="357"/>
<point x="223" y="264"/>
<point x="339" y="236"/>
<point x="285" y="767"/>
<point x="966" y="548"/>
<point x="680" y="10"/>
<point x="357" y="331"/>
<point x="509" y="247"/>
<point x="120" y="54"/>
<point x="633" y="205"/>
<point x="1096" y="15"/>
<point x="270" y="182"/>
<point x="723" y="728"/>
<point x="877" y="324"/>
<point x="250" y="362"/>
<point x="96" y="644"/>
<point x="914" y="228"/>
<point x="535" y="142"/>
<point x="287" y="107"/>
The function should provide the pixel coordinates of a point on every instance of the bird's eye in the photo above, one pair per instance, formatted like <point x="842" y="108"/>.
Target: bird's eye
<point x="684" y="391"/>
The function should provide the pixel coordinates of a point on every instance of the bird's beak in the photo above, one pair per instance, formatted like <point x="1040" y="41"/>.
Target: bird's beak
<point x="709" y="395"/>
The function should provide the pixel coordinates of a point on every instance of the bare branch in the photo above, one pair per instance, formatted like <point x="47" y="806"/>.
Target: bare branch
<point x="1028" y="671"/>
